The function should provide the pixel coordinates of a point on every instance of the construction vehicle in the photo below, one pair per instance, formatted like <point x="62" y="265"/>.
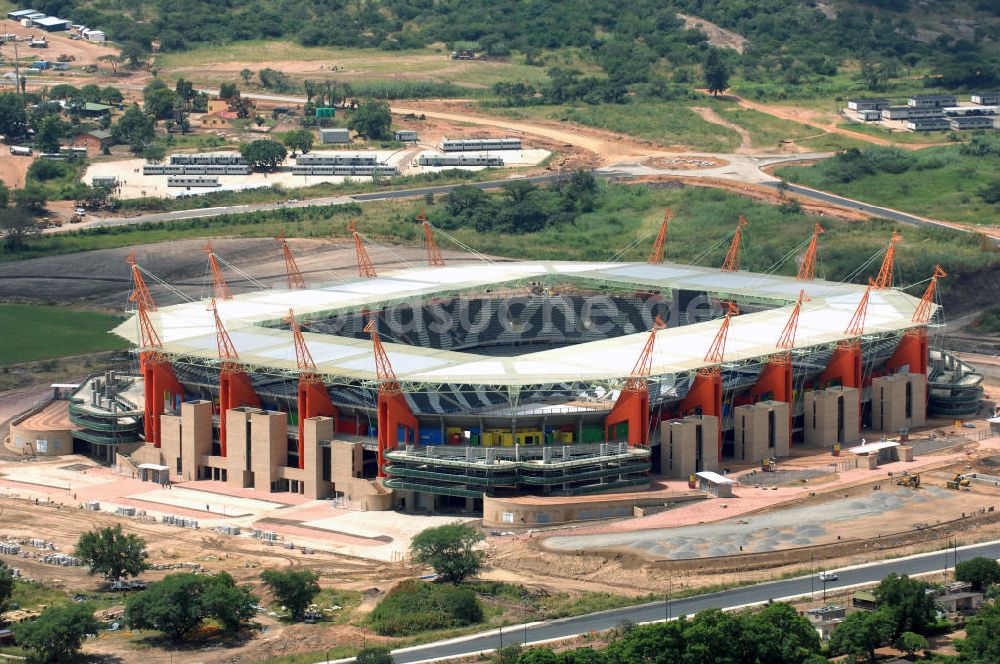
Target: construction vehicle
<point x="959" y="483"/>
<point x="912" y="481"/>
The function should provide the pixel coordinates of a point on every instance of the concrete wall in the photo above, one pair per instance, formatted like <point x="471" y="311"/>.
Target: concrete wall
<point x="679" y="453"/>
<point x="760" y="430"/>
<point x="831" y="416"/>
<point x="513" y="512"/>
<point x="899" y="402"/>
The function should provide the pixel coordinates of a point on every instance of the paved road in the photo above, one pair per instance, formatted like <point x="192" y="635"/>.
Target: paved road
<point x="567" y="627"/>
<point x="886" y="213"/>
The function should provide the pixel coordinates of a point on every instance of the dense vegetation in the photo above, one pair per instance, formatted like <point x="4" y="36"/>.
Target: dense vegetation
<point x="417" y="606"/>
<point x="634" y="43"/>
<point x="958" y="183"/>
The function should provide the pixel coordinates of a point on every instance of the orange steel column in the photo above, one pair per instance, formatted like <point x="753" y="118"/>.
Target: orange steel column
<point x="235" y="390"/>
<point x="314" y="401"/>
<point x="845" y="365"/>
<point x="911" y="352"/>
<point x="393" y="413"/>
<point x="705" y="398"/>
<point x="631" y="408"/>
<point x="160" y="384"/>
<point x="776" y="380"/>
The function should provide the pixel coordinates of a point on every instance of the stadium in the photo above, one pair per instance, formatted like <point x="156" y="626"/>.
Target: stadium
<point x="432" y="387"/>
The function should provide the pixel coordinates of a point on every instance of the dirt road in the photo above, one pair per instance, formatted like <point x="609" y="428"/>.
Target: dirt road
<point x="83" y="51"/>
<point x="13" y="170"/>
<point x="709" y="115"/>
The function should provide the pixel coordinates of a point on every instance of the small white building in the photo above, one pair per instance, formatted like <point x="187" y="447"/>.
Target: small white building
<point x="715" y="484"/>
<point x="95" y="35"/>
<point x="986" y="98"/>
<point x="334" y="136"/>
<point x="406" y="135"/>
<point x="868" y="104"/>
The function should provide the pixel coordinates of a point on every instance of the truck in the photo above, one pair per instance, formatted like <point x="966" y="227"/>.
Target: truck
<point x="20" y="151"/>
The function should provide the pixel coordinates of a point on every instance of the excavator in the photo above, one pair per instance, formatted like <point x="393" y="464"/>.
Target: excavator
<point x="959" y="483"/>
<point x="912" y="481"/>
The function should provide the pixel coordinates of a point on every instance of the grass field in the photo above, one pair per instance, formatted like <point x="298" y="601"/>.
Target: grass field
<point x="941" y="183"/>
<point x="662" y="123"/>
<point x="429" y="64"/>
<point x="29" y="333"/>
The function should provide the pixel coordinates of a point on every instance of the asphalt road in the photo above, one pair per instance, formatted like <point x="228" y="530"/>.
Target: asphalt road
<point x="727" y="599"/>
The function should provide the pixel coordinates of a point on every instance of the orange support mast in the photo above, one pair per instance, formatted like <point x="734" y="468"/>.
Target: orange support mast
<point x="220" y="289"/>
<point x="434" y="258"/>
<point x="292" y="273"/>
<point x="365" y="267"/>
<point x="911" y="353"/>
<point x="235" y="389"/>
<point x="732" y="262"/>
<point x="393" y="411"/>
<point x="659" y="246"/>
<point x="313" y="398"/>
<point x="160" y="385"/>
<point x="705" y="394"/>
<point x="884" y="279"/>
<point x="807" y="271"/>
<point x="632" y="406"/>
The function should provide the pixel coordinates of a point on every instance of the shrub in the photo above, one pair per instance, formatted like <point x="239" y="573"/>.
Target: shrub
<point x="416" y="606"/>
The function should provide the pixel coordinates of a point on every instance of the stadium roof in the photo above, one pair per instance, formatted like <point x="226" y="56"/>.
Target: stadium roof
<point x="188" y="329"/>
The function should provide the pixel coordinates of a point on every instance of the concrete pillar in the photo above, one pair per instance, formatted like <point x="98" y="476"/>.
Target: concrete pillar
<point x="196" y="435"/>
<point x="316" y="429"/>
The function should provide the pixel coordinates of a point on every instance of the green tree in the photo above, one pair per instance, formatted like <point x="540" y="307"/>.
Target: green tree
<point x="133" y="54"/>
<point x="185" y="90"/>
<point x="13" y="119"/>
<point x="112" y="554"/>
<point x="450" y="550"/>
<point x="861" y="633"/>
<point x="31" y="199"/>
<point x="6" y="586"/>
<point x="716" y="72"/>
<point x="233" y="606"/>
<point x="154" y="154"/>
<point x="246" y="74"/>
<point x="980" y="572"/>
<point x="263" y="154"/>
<point x="159" y="100"/>
<point x="294" y="589"/>
<point x="374" y="656"/>
<point x="990" y="192"/>
<point x="4" y="195"/>
<point x="779" y="635"/>
<point x="57" y="634"/>
<point x="229" y="91"/>
<point x="662" y="643"/>
<point x="981" y="645"/>
<point x="538" y="656"/>
<point x="299" y="139"/>
<point x="49" y="133"/>
<point x="371" y="120"/>
<point x="135" y="128"/>
<point x="907" y="603"/>
<point x="910" y="642"/>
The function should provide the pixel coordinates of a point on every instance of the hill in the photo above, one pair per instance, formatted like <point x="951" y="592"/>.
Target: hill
<point x="636" y="44"/>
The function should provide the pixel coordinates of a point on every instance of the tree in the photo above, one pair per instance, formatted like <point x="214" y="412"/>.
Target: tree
<point x="263" y="154"/>
<point x="907" y="603"/>
<point x="133" y="54"/>
<point x="48" y="133"/>
<point x="716" y="72"/>
<point x="4" y="195"/>
<point x="538" y="656"/>
<point x="57" y="634"/>
<point x="178" y="604"/>
<point x="299" y="139"/>
<point x="6" y="586"/>
<point x="450" y="550"/>
<point x="159" y="100"/>
<point x="112" y="554"/>
<point x="374" y="656"/>
<point x="980" y="572"/>
<point x="372" y="120"/>
<point x="294" y="589"/>
<point x="185" y="90"/>
<point x="229" y="91"/>
<point x="245" y="74"/>
<point x="135" y="128"/>
<point x="13" y="119"/>
<point x="981" y="645"/>
<point x="113" y="61"/>
<point x="910" y="642"/>
<point x="232" y="605"/>
<point x="779" y="635"/>
<point x="31" y="200"/>
<point x="861" y="633"/>
<point x="154" y="154"/>
<point x="990" y="192"/>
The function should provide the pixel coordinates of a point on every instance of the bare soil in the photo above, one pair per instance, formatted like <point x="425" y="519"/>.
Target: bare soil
<point x="717" y="36"/>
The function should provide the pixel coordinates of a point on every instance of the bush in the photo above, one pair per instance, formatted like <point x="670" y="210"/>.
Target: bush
<point x="416" y="606"/>
<point x="48" y="169"/>
<point x="980" y="572"/>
